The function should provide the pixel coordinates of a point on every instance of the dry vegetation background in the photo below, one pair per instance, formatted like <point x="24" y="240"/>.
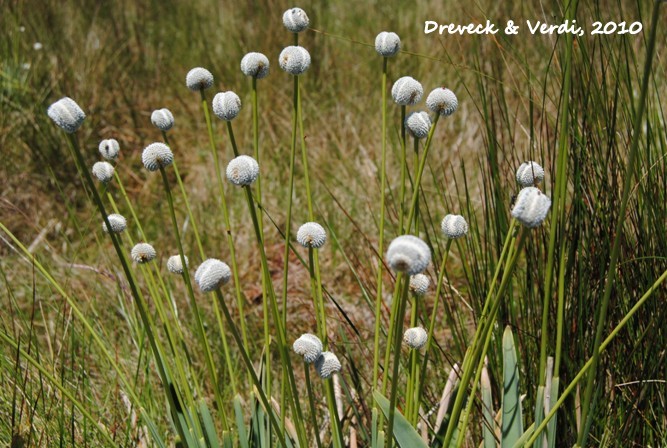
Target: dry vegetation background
<point x="121" y="60"/>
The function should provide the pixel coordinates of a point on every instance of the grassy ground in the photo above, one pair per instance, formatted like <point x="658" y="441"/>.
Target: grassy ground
<point x="121" y="60"/>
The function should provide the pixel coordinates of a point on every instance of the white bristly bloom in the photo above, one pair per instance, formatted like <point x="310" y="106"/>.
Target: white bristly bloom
<point x="531" y="207"/>
<point x="442" y="101"/>
<point x="109" y="149"/>
<point x="212" y="274"/>
<point x="103" y="171"/>
<point x="226" y="105"/>
<point x="408" y="254"/>
<point x="295" y="20"/>
<point x="255" y="65"/>
<point x="327" y="364"/>
<point x="415" y="337"/>
<point x="294" y="60"/>
<point x="419" y="284"/>
<point x="66" y="114"/>
<point x="418" y="124"/>
<point x="311" y="234"/>
<point x="529" y="174"/>
<point x="454" y="226"/>
<point x="309" y="346"/>
<point x="407" y="91"/>
<point x="387" y="44"/>
<point x="117" y="222"/>
<point x="198" y="79"/>
<point x="157" y="155"/>
<point x="162" y="119"/>
<point x="242" y="171"/>
<point x="143" y="253"/>
<point x="175" y="265"/>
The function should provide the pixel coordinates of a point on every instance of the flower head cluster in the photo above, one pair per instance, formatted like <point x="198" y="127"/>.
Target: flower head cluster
<point x="531" y="207"/>
<point x="442" y="101"/>
<point x="295" y="20"/>
<point x="162" y="119"/>
<point x="415" y="337"/>
<point x="408" y="254"/>
<point x="255" y="65"/>
<point x="327" y="364"/>
<point x="157" y="155"/>
<point x="312" y="235"/>
<point x="407" y="91"/>
<point x="66" y="114"/>
<point x="529" y="174"/>
<point x="242" y="171"/>
<point x="226" y="105"/>
<point x="175" y="264"/>
<point x="295" y="60"/>
<point x="103" y="171"/>
<point x="419" y="284"/>
<point x="143" y="253"/>
<point x="387" y="44"/>
<point x="309" y="346"/>
<point x="418" y="124"/>
<point x="454" y="226"/>
<point x="109" y="149"/>
<point x="198" y="79"/>
<point x="117" y="222"/>
<point x="212" y="274"/>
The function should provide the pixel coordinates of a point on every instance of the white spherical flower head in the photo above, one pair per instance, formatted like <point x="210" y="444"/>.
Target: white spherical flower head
<point x="143" y="253"/>
<point x="454" y="226"/>
<point x="212" y="274"/>
<point x="162" y="119"/>
<point x="408" y="254"/>
<point x="419" y="284"/>
<point x="226" y="105"/>
<point x="157" y="155"/>
<point x="327" y="364"/>
<point x="407" y="91"/>
<point x="103" y="171"/>
<point x="309" y="346"/>
<point x="66" y="114"/>
<point x="198" y="79"/>
<point x="117" y="222"/>
<point x="294" y="60"/>
<point x="529" y="174"/>
<point x="175" y="265"/>
<point x="387" y="44"/>
<point x="442" y="101"/>
<point x="255" y="65"/>
<point x="295" y="20"/>
<point x="531" y="207"/>
<point x="312" y="235"/>
<point x="109" y="149"/>
<point x="242" y="171"/>
<point x="415" y="337"/>
<point x="418" y="124"/>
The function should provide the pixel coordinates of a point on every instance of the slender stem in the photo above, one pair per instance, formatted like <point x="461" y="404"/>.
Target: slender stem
<point x="398" y="333"/>
<point x="311" y="403"/>
<point x="404" y="170"/>
<point x="193" y="302"/>
<point x="615" y="251"/>
<point x="383" y="186"/>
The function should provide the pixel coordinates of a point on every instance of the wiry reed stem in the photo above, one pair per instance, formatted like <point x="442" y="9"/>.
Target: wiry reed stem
<point x="618" y="231"/>
<point x="311" y="403"/>
<point x="170" y="391"/>
<point x="383" y="186"/>
<point x="404" y="171"/>
<point x="403" y="280"/>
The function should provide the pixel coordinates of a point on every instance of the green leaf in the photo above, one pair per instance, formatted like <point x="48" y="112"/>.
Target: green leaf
<point x="539" y="413"/>
<point x="209" y="428"/>
<point x="512" y="424"/>
<point x="551" y="426"/>
<point x="240" y="425"/>
<point x="488" y="423"/>
<point x="405" y="434"/>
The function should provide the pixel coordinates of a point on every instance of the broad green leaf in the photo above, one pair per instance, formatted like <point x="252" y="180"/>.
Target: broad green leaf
<point x="512" y="424"/>
<point x="488" y="422"/>
<point x="208" y="425"/>
<point x="240" y="425"/>
<point x="405" y="434"/>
